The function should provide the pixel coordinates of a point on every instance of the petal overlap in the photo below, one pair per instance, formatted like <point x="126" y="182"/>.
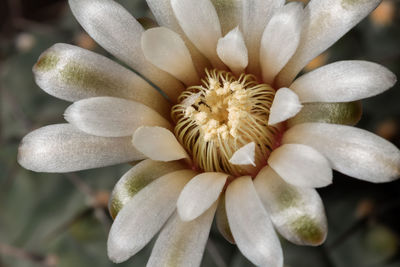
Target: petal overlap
<point x="63" y="148"/>
<point x="250" y="224"/>
<point x="297" y="212"/>
<point x="352" y="151"/>
<point x="119" y="33"/>
<point x="144" y="215"/>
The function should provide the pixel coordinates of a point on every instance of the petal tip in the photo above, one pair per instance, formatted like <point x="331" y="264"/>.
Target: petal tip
<point x="184" y="215"/>
<point x="244" y="155"/>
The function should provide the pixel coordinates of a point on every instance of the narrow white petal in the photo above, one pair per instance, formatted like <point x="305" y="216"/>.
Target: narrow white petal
<point x="250" y="224"/>
<point x="343" y="81"/>
<point x="182" y="244"/>
<point x="352" y="151"/>
<point x="162" y="11"/>
<point x="297" y="213"/>
<point x="199" y="21"/>
<point x="325" y="22"/>
<point x="286" y="105"/>
<point x="166" y="50"/>
<point x="244" y="155"/>
<point x="63" y="148"/>
<point x="112" y="117"/>
<point x="119" y="33"/>
<point x="280" y="40"/>
<point x="255" y="16"/>
<point x="191" y="99"/>
<point x="347" y="113"/>
<point x="301" y="165"/>
<point x="229" y="13"/>
<point x="221" y="220"/>
<point x="232" y="51"/>
<point x="158" y="143"/>
<point x="144" y="215"/>
<point x="137" y="178"/>
<point x="199" y="194"/>
<point x="73" y="73"/>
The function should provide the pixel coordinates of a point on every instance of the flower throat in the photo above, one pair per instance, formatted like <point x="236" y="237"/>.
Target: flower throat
<point x="215" y="119"/>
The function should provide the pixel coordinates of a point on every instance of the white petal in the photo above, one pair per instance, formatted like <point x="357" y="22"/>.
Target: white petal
<point x="280" y="40"/>
<point x="119" y="33"/>
<point x="199" y="194"/>
<point x="297" y="213"/>
<point x="250" y="224"/>
<point x="221" y="220"/>
<point x="255" y="16"/>
<point x="325" y="22"/>
<point x="73" y="73"/>
<point x="137" y="178"/>
<point x="343" y="81"/>
<point x="199" y="21"/>
<point x="244" y="155"/>
<point x="166" y="50"/>
<point x="111" y="116"/>
<point x="63" y="148"/>
<point x="286" y="105"/>
<point x="182" y="244"/>
<point x="301" y="165"/>
<point x="144" y="215"/>
<point x="229" y="13"/>
<point x="350" y="150"/>
<point x="162" y="11"/>
<point x="232" y="51"/>
<point x="158" y="143"/>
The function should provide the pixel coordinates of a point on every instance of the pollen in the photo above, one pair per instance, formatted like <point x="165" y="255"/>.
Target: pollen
<point x="215" y="119"/>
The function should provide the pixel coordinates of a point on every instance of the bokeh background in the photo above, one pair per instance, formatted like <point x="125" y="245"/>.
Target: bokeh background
<point x="62" y="219"/>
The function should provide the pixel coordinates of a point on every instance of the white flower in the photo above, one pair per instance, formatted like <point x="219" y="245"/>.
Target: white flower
<point x="243" y="139"/>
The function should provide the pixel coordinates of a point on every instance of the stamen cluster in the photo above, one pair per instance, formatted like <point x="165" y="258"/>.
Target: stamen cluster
<point x="220" y="116"/>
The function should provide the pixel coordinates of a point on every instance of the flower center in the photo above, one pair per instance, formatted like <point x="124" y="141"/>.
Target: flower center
<point x="215" y="119"/>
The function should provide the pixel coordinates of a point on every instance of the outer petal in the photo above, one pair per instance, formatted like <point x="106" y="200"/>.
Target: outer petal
<point x="221" y="220"/>
<point x="137" y="178"/>
<point x="297" y="213"/>
<point x="112" y="117"/>
<point x="118" y="32"/>
<point x="63" y="148"/>
<point x="326" y="21"/>
<point x="343" y="81"/>
<point x="73" y="73"/>
<point x="250" y="224"/>
<point x="144" y="215"/>
<point x="229" y="13"/>
<point x="286" y="105"/>
<point x="301" y="165"/>
<point x="199" y="21"/>
<point x="348" y="113"/>
<point x="158" y="143"/>
<point x="162" y="11"/>
<point x="280" y="40"/>
<point x="233" y="52"/>
<point x="255" y="16"/>
<point x="166" y="50"/>
<point x="199" y="194"/>
<point x="350" y="150"/>
<point x="182" y="244"/>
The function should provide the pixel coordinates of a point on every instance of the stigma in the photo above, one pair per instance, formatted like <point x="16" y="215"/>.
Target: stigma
<point x="215" y="119"/>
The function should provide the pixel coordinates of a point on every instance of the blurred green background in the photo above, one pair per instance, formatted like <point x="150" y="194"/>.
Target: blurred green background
<point x="62" y="220"/>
